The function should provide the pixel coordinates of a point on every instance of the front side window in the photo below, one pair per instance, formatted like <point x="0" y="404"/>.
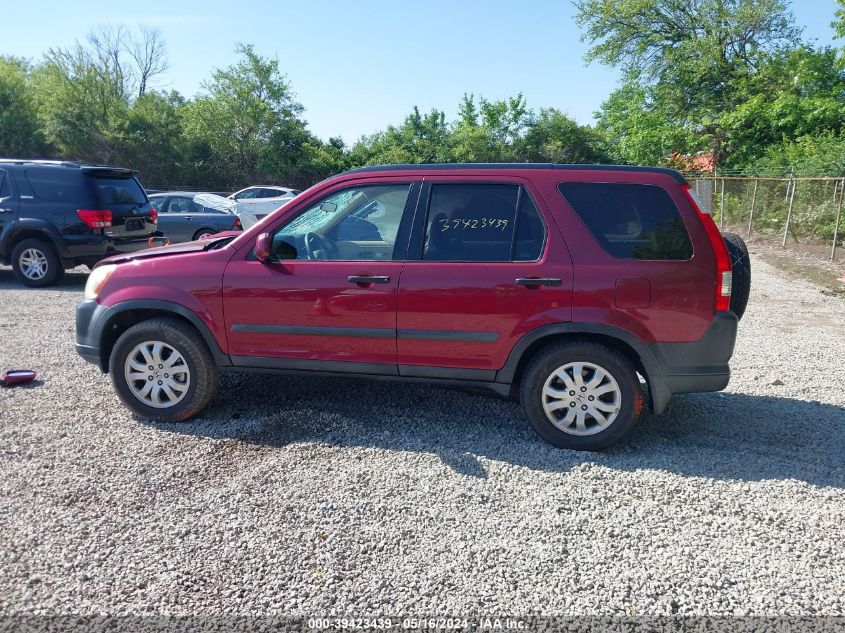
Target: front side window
<point x="630" y="221"/>
<point x="478" y="223"/>
<point x="355" y="224"/>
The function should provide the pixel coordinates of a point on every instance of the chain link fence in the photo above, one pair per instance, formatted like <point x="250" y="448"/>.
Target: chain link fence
<point x="796" y="213"/>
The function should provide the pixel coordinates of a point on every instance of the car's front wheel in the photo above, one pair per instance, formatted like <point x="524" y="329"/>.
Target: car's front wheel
<point x="581" y="395"/>
<point x="163" y="370"/>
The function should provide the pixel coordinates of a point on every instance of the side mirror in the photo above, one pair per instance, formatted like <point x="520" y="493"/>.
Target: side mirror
<point x="262" y="248"/>
<point x="284" y="250"/>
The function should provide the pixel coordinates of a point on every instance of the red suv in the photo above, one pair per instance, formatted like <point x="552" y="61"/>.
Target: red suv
<point x="574" y="288"/>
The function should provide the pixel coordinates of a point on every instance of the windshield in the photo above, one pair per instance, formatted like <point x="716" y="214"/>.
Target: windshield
<point x="119" y="191"/>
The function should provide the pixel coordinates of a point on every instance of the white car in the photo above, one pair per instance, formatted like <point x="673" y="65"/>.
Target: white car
<point x="263" y="200"/>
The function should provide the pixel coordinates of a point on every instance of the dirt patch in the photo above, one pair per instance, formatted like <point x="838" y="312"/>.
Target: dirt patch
<point x="802" y="266"/>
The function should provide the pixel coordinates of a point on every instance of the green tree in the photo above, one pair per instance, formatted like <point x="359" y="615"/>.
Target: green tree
<point x="554" y="137"/>
<point x="248" y="119"/>
<point x="638" y="130"/>
<point x="794" y="93"/>
<point x="20" y="134"/>
<point x="697" y="55"/>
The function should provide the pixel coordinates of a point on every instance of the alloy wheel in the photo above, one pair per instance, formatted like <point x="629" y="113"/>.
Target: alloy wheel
<point x="581" y="398"/>
<point x="157" y="374"/>
<point x="33" y="264"/>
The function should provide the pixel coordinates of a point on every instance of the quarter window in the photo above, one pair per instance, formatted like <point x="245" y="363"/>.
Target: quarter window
<point x="630" y="221"/>
<point x="478" y="223"/>
<point x="58" y="185"/>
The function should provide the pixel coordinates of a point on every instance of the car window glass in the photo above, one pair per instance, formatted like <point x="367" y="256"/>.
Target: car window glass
<point x="271" y="193"/>
<point x="5" y="189"/>
<point x="159" y="203"/>
<point x="58" y="185"/>
<point x="248" y="194"/>
<point x="530" y="231"/>
<point x="180" y="204"/>
<point x="470" y="222"/>
<point x="119" y="191"/>
<point x="630" y="221"/>
<point x="355" y="224"/>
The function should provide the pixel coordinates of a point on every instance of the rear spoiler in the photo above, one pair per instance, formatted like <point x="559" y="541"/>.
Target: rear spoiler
<point x="110" y="172"/>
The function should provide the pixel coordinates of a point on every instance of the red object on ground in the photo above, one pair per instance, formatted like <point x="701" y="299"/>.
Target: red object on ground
<point x="16" y="377"/>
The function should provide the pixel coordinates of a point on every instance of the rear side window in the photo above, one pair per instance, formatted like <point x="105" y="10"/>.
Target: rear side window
<point x="58" y="185"/>
<point x="630" y="221"/>
<point x="119" y="191"/>
<point x="478" y="223"/>
<point x="5" y="189"/>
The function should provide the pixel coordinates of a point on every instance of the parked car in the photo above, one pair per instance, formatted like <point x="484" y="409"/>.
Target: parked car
<point x="561" y="286"/>
<point x="57" y="214"/>
<point x="188" y="215"/>
<point x="263" y="200"/>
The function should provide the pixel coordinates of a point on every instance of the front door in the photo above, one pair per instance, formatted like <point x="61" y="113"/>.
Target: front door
<point x="485" y="265"/>
<point x="8" y="200"/>
<point x="327" y="301"/>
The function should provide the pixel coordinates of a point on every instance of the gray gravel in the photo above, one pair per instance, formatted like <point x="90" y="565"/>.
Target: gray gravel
<point x="318" y="496"/>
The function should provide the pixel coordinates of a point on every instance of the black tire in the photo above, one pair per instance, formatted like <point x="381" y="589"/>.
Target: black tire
<point x="202" y="232"/>
<point x="741" y="268"/>
<point x="54" y="270"/>
<point x="541" y="368"/>
<point x="182" y="337"/>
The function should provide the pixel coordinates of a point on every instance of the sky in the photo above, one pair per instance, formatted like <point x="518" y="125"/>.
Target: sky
<point x="359" y="66"/>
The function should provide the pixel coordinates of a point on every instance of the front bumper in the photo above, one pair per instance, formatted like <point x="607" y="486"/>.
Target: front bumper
<point x="694" y="367"/>
<point x="90" y="317"/>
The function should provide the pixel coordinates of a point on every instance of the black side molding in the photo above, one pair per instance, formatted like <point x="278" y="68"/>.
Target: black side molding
<point x="308" y="330"/>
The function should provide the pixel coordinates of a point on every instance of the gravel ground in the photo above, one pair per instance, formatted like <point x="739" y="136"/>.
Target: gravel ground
<point x="326" y="496"/>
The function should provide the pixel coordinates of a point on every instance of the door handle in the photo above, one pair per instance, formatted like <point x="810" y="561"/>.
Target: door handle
<point x="537" y="281"/>
<point x="368" y="279"/>
<point x="7" y="210"/>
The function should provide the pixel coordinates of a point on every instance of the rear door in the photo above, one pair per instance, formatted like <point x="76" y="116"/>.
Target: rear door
<point x="8" y="200"/>
<point x="485" y="265"/>
<point x="169" y="223"/>
<point x="183" y="217"/>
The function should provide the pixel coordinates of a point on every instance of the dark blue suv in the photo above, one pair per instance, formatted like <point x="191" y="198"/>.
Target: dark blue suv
<point x="56" y="215"/>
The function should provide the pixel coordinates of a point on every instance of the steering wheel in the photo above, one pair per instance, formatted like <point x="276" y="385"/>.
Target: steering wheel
<point x="314" y="242"/>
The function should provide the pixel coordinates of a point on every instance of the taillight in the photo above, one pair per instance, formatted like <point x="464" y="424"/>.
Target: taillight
<point x="95" y="219"/>
<point x="724" y="276"/>
<point x="153" y="216"/>
<point x="237" y="223"/>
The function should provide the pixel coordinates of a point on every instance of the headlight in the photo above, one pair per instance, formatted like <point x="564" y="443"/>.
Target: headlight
<point x="97" y="279"/>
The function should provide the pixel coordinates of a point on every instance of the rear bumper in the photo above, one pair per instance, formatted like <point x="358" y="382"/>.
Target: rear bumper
<point x="89" y="249"/>
<point x="693" y="367"/>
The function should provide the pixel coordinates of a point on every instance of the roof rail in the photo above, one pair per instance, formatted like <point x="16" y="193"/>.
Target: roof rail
<point x="676" y="175"/>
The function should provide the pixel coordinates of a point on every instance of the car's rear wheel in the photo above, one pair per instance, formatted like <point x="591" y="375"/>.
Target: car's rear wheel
<point x="163" y="370"/>
<point x="581" y="395"/>
<point x="203" y="233"/>
<point x="741" y="272"/>
<point x="36" y="264"/>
